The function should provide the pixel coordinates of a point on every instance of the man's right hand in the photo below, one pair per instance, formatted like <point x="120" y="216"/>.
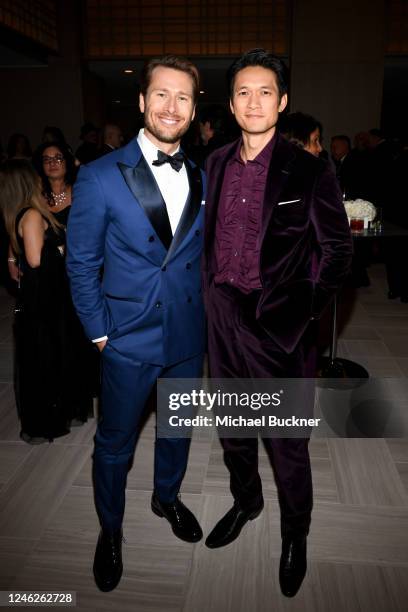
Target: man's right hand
<point x="101" y="345"/>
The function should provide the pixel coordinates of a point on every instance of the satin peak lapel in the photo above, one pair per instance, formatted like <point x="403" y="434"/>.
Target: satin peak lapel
<point x="143" y="186"/>
<point x="191" y="208"/>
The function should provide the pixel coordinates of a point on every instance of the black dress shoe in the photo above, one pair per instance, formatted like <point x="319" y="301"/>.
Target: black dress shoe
<point x="183" y="522"/>
<point x="293" y="565"/>
<point x="404" y="299"/>
<point x="108" y="565"/>
<point x="229" y="527"/>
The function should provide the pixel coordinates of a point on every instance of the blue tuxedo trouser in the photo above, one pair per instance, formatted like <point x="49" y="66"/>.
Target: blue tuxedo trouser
<point x="126" y="386"/>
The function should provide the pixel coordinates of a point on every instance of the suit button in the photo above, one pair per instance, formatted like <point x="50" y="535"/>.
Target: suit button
<point x="189" y="299"/>
<point x="197" y="232"/>
<point x="164" y="268"/>
<point x="159" y="304"/>
<point x="188" y="266"/>
<point x="151" y="238"/>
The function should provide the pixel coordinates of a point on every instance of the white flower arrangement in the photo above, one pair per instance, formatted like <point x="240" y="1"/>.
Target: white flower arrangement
<point x="360" y="209"/>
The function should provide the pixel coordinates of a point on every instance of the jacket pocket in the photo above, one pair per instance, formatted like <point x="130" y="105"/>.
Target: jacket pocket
<point x="124" y="298"/>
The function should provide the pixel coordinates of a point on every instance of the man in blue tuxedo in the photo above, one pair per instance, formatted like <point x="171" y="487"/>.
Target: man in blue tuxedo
<point x="137" y="214"/>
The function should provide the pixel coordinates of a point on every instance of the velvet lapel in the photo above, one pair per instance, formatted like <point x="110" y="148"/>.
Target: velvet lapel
<point x="278" y="174"/>
<point x="143" y="186"/>
<point x="214" y="186"/>
<point x="190" y="210"/>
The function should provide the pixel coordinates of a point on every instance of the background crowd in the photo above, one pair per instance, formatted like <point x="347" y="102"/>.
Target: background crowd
<point x="56" y="367"/>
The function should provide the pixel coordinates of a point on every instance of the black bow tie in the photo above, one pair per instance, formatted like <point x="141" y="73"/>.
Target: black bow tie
<point x="175" y="161"/>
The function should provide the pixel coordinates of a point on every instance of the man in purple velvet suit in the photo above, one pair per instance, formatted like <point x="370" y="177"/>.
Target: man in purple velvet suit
<point x="272" y="211"/>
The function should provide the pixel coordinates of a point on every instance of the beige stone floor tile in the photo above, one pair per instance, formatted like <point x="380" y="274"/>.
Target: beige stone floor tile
<point x="396" y="342"/>
<point x="403" y="364"/>
<point x="6" y="332"/>
<point x="365" y="473"/>
<point x="391" y="308"/>
<point x="37" y="488"/>
<point x="372" y="348"/>
<point x="362" y="588"/>
<point x="244" y="575"/>
<point x="379" y="367"/>
<point x="7" y="306"/>
<point x="389" y="322"/>
<point x="372" y="535"/>
<point x="156" y="563"/>
<point x="12" y="456"/>
<point x="80" y="435"/>
<point x="9" y="424"/>
<point x="359" y="332"/>
<point x="398" y="448"/>
<point x="14" y="553"/>
<point x="327" y="586"/>
<point x="403" y="473"/>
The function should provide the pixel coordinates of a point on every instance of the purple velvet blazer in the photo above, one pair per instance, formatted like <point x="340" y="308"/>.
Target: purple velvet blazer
<point x="306" y="245"/>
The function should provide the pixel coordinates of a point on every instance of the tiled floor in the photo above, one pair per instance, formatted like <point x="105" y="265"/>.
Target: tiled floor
<point x="358" y="545"/>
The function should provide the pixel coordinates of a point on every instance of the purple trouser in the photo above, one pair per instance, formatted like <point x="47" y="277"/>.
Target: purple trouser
<point x="238" y="347"/>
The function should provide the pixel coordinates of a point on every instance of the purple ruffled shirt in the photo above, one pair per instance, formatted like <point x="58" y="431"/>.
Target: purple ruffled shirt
<point x="239" y="216"/>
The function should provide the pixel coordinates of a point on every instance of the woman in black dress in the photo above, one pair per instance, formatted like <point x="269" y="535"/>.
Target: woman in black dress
<point x="38" y="242"/>
<point x="55" y="164"/>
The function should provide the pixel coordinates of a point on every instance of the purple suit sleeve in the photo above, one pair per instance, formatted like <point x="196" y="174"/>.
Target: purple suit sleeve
<point x="334" y="238"/>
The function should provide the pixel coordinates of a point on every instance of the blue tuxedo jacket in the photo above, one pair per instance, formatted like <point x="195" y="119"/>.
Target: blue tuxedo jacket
<point x="130" y="278"/>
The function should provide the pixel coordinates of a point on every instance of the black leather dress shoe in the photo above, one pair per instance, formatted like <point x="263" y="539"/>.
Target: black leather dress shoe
<point x="183" y="522"/>
<point x="229" y="527"/>
<point x="293" y="565"/>
<point x="393" y="295"/>
<point x="108" y="565"/>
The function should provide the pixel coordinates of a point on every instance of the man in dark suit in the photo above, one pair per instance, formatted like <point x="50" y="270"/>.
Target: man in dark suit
<point x="112" y="138"/>
<point x="277" y="248"/>
<point x="138" y="213"/>
<point x="349" y="169"/>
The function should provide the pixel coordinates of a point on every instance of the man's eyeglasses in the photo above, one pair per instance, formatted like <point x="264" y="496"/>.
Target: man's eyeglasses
<point x="58" y="159"/>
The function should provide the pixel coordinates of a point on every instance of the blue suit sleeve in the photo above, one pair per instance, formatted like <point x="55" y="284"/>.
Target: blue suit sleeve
<point x="86" y="233"/>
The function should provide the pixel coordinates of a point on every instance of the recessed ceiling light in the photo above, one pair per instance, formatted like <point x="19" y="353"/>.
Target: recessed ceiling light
<point x="202" y="91"/>
<point x="116" y="101"/>
<point x="128" y="71"/>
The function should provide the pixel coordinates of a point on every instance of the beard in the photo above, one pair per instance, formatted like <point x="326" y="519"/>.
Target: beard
<point x="162" y="135"/>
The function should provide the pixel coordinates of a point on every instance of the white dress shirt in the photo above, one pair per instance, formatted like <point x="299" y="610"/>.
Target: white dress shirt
<point x="174" y="186"/>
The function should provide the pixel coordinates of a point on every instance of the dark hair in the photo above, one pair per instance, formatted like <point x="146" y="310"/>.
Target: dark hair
<point x="216" y="115"/>
<point x="297" y="127"/>
<point x="12" y="145"/>
<point x="170" y="61"/>
<point x="342" y="137"/>
<point x="71" y="169"/>
<point x="87" y="128"/>
<point x="55" y="133"/>
<point x="260" y="57"/>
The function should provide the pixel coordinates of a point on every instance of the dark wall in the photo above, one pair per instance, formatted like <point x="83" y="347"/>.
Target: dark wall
<point x="395" y="98"/>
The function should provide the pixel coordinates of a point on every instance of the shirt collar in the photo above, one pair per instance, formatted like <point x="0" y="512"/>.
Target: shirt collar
<point x="263" y="158"/>
<point x="149" y="149"/>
